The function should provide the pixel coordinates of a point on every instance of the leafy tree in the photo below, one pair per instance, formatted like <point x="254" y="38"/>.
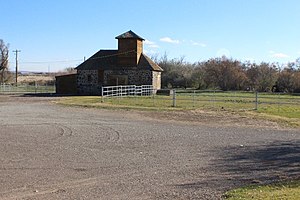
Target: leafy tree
<point x="197" y="77"/>
<point x="262" y="77"/>
<point x="3" y="59"/>
<point x="252" y="76"/>
<point x="297" y="64"/>
<point x="177" y="72"/>
<point x="284" y="81"/>
<point x="70" y="70"/>
<point x="267" y="76"/>
<point x="229" y="74"/>
<point x="296" y="81"/>
<point x="224" y="73"/>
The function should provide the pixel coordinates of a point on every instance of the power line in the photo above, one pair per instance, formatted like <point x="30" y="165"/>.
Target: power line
<point x="54" y="61"/>
<point x="75" y="60"/>
<point x="65" y="61"/>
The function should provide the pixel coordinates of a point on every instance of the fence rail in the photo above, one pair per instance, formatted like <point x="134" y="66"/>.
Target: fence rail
<point x="191" y="99"/>
<point x="26" y="88"/>
<point x="127" y="90"/>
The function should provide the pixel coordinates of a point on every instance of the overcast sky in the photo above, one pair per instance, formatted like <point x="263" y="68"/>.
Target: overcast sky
<point x="53" y="35"/>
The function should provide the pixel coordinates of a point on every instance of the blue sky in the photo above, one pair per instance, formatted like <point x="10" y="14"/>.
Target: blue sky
<point x="59" y="34"/>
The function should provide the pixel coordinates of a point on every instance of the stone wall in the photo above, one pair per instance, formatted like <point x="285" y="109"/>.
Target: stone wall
<point x="135" y="77"/>
<point x="156" y="81"/>
<point x="88" y="83"/>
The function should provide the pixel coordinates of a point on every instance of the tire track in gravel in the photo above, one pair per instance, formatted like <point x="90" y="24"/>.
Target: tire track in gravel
<point x="25" y="192"/>
<point x="36" y="130"/>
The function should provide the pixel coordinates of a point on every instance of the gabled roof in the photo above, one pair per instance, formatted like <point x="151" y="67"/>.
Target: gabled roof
<point x="103" y="59"/>
<point x="129" y="35"/>
<point x="145" y="62"/>
<point x="108" y="59"/>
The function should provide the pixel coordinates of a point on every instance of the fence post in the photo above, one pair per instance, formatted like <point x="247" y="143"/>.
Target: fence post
<point x="174" y="98"/>
<point x="119" y="94"/>
<point x="278" y="102"/>
<point x="214" y="98"/>
<point x="102" y="95"/>
<point x="35" y="87"/>
<point x="194" y="98"/>
<point x="256" y="100"/>
<point x="152" y="90"/>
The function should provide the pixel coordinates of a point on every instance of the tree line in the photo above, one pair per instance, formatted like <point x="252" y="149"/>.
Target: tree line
<point x="230" y="74"/>
<point x="3" y="61"/>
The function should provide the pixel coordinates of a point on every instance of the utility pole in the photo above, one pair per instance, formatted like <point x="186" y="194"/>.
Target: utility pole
<point x="17" y="51"/>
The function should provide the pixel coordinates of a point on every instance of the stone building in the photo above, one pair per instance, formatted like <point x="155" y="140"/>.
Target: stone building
<point x="127" y="65"/>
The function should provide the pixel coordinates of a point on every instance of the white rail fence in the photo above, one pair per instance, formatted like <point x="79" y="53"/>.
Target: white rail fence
<point x="127" y="90"/>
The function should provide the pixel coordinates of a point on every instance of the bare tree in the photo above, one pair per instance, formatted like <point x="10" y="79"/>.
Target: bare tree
<point x="3" y="59"/>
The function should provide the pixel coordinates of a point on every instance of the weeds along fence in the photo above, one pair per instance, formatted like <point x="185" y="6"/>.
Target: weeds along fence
<point x="146" y="96"/>
<point x="26" y="88"/>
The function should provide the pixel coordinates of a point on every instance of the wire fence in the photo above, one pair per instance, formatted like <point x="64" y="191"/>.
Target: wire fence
<point x="146" y="96"/>
<point x="210" y="99"/>
<point x="26" y="88"/>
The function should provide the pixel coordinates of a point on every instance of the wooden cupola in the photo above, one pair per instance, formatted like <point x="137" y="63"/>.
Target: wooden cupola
<point x="130" y="48"/>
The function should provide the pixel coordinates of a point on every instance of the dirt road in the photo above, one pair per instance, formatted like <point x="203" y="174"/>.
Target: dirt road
<point x="49" y="151"/>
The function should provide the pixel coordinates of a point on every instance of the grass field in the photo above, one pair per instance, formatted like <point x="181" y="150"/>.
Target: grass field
<point x="282" y="191"/>
<point x="282" y="108"/>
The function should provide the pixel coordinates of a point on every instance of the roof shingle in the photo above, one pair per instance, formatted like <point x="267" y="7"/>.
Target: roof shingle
<point x="103" y="59"/>
<point x="108" y="59"/>
<point x="129" y="35"/>
<point x="145" y="63"/>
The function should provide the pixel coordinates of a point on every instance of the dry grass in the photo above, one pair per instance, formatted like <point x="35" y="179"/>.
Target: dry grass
<point x="39" y="79"/>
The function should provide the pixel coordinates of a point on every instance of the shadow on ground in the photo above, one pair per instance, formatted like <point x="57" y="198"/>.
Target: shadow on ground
<point x="269" y="162"/>
<point x="243" y="165"/>
<point x="46" y="95"/>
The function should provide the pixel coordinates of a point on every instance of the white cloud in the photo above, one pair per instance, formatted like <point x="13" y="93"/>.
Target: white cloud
<point x="275" y="54"/>
<point x="280" y="55"/>
<point x="169" y="40"/>
<point x="151" y="44"/>
<point x="198" y="44"/>
<point x="150" y="52"/>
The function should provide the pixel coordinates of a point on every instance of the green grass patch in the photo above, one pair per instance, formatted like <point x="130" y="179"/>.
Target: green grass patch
<point x="142" y="103"/>
<point x="283" y="191"/>
<point x="280" y="108"/>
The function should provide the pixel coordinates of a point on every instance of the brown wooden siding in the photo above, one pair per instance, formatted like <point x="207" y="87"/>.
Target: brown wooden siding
<point x="66" y="84"/>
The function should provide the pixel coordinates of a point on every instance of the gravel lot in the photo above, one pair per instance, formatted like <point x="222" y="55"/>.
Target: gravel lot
<point x="49" y="151"/>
